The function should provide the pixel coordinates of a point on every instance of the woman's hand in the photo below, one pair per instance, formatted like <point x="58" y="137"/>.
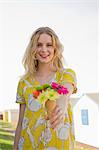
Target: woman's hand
<point x="56" y="117"/>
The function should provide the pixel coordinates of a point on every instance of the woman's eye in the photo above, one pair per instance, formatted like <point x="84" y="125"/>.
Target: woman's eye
<point x="49" y="45"/>
<point x="38" y="45"/>
<point x="41" y="45"/>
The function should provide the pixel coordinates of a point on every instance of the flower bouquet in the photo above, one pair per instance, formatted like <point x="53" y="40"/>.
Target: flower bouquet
<point x="51" y="95"/>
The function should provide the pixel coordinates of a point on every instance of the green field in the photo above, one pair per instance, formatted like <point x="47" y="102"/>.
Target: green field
<point x="6" y="136"/>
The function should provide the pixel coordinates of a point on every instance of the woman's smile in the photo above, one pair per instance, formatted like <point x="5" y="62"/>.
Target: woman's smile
<point x="44" y="56"/>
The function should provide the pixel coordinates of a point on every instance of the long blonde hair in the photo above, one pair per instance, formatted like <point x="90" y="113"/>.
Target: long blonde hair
<point x="29" y="60"/>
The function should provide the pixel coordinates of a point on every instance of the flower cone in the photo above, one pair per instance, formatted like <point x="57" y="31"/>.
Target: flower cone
<point x="50" y="105"/>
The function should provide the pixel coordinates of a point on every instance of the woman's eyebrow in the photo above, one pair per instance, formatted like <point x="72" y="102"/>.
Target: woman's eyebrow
<point x="39" y="42"/>
<point x="47" y="43"/>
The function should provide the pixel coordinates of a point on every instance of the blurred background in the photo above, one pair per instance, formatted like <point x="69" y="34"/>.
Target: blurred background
<point x="74" y="21"/>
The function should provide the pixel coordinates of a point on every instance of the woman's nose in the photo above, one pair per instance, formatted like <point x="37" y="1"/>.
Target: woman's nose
<point x="44" y="48"/>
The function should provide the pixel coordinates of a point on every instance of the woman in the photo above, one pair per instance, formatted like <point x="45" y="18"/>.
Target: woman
<point x="43" y="64"/>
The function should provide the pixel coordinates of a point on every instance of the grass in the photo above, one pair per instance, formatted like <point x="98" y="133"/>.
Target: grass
<point x="77" y="147"/>
<point x="6" y="136"/>
<point x="5" y="124"/>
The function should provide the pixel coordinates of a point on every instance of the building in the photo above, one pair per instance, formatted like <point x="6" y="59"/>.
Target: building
<point x="11" y="116"/>
<point x="1" y="116"/>
<point x="86" y="119"/>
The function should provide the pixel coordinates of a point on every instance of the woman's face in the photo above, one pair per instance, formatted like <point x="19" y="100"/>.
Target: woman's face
<point x="45" y="49"/>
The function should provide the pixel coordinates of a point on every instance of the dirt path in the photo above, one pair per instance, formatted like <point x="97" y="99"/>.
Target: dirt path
<point x="85" y="147"/>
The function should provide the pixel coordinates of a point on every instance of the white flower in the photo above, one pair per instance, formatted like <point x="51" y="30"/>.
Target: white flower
<point x="33" y="104"/>
<point x="20" y="144"/>
<point x="39" y="121"/>
<point x="46" y="136"/>
<point x="25" y="123"/>
<point x="63" y="132"/>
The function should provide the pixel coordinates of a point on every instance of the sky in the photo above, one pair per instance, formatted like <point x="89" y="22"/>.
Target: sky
<point x="76" y="24"/>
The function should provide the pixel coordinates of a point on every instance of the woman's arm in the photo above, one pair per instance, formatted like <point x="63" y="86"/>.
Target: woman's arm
<point x="19" y="126"/>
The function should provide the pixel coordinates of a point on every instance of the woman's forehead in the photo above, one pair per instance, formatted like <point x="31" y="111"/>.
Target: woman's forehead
<point x="44" y="37"/>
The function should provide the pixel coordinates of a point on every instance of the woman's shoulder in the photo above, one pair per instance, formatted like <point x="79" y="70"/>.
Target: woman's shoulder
<point x="23" y="79"/>
<point x="66" y="74"/>
<point x="69" y="71"/>
<point x="66" y="70"/>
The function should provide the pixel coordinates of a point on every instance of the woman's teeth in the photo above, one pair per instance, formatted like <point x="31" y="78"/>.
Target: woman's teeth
<point x="44" y="56"/>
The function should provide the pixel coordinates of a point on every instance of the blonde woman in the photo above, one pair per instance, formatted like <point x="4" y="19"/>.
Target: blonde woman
<point x="43" y="64"/>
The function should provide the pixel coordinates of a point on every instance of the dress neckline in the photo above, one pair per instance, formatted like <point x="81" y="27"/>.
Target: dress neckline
<point x="51" y="80"/>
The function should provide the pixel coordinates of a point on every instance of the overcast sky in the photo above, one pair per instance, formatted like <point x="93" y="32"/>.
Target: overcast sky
<point x="76" y="24"/>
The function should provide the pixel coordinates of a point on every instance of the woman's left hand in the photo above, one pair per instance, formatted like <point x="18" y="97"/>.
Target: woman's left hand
<point x="56" y="117"/>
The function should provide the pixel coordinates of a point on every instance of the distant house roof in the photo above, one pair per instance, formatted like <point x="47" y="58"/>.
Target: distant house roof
<point x="11" y="110"/>
<point x="74" y="101"/>
<point x="93" y="96"/>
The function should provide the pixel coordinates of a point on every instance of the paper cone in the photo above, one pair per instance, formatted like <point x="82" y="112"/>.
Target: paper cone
<point x="50" y="105"/>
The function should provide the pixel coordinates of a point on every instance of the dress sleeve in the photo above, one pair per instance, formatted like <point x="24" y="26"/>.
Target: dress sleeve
<point x="19" y="95"/>
<point x="69" y="76"/>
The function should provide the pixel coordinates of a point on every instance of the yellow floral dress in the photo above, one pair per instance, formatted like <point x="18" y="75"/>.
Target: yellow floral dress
<point x="36" y="132"/>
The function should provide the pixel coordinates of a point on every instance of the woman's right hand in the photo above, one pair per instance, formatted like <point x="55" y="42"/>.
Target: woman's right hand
<point x="56" y="117"/>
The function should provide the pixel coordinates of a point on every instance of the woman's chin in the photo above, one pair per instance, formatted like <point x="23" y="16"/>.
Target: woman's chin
<point x="44" y="61"/>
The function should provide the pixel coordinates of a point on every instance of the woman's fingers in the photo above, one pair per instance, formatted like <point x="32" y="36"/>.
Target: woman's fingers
<point x="57" y="121"/>
<point x="56" y="110"/>
<point x="56" y="117"/>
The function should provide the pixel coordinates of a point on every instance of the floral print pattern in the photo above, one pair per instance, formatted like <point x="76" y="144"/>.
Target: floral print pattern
<point x="36" y="132"/>
<point x="25" y="123"/>
<point x="21" y="142"/>
<point x="33" y="105"/>
<point x="63" y="132"/>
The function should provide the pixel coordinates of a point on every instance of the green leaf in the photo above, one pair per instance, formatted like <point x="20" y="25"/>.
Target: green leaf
<point x="39" y="88"/>
<point x="46" y="86"/>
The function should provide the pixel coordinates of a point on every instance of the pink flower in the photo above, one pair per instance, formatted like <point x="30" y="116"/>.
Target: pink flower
<point x="60" y="88"/>
<point x="63" y="91"/>
<point x="54" y="85"/>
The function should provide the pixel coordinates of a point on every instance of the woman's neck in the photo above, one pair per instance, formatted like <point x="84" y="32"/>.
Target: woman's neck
<point x="44" y="74"/>
<point x="44" y="69"/>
